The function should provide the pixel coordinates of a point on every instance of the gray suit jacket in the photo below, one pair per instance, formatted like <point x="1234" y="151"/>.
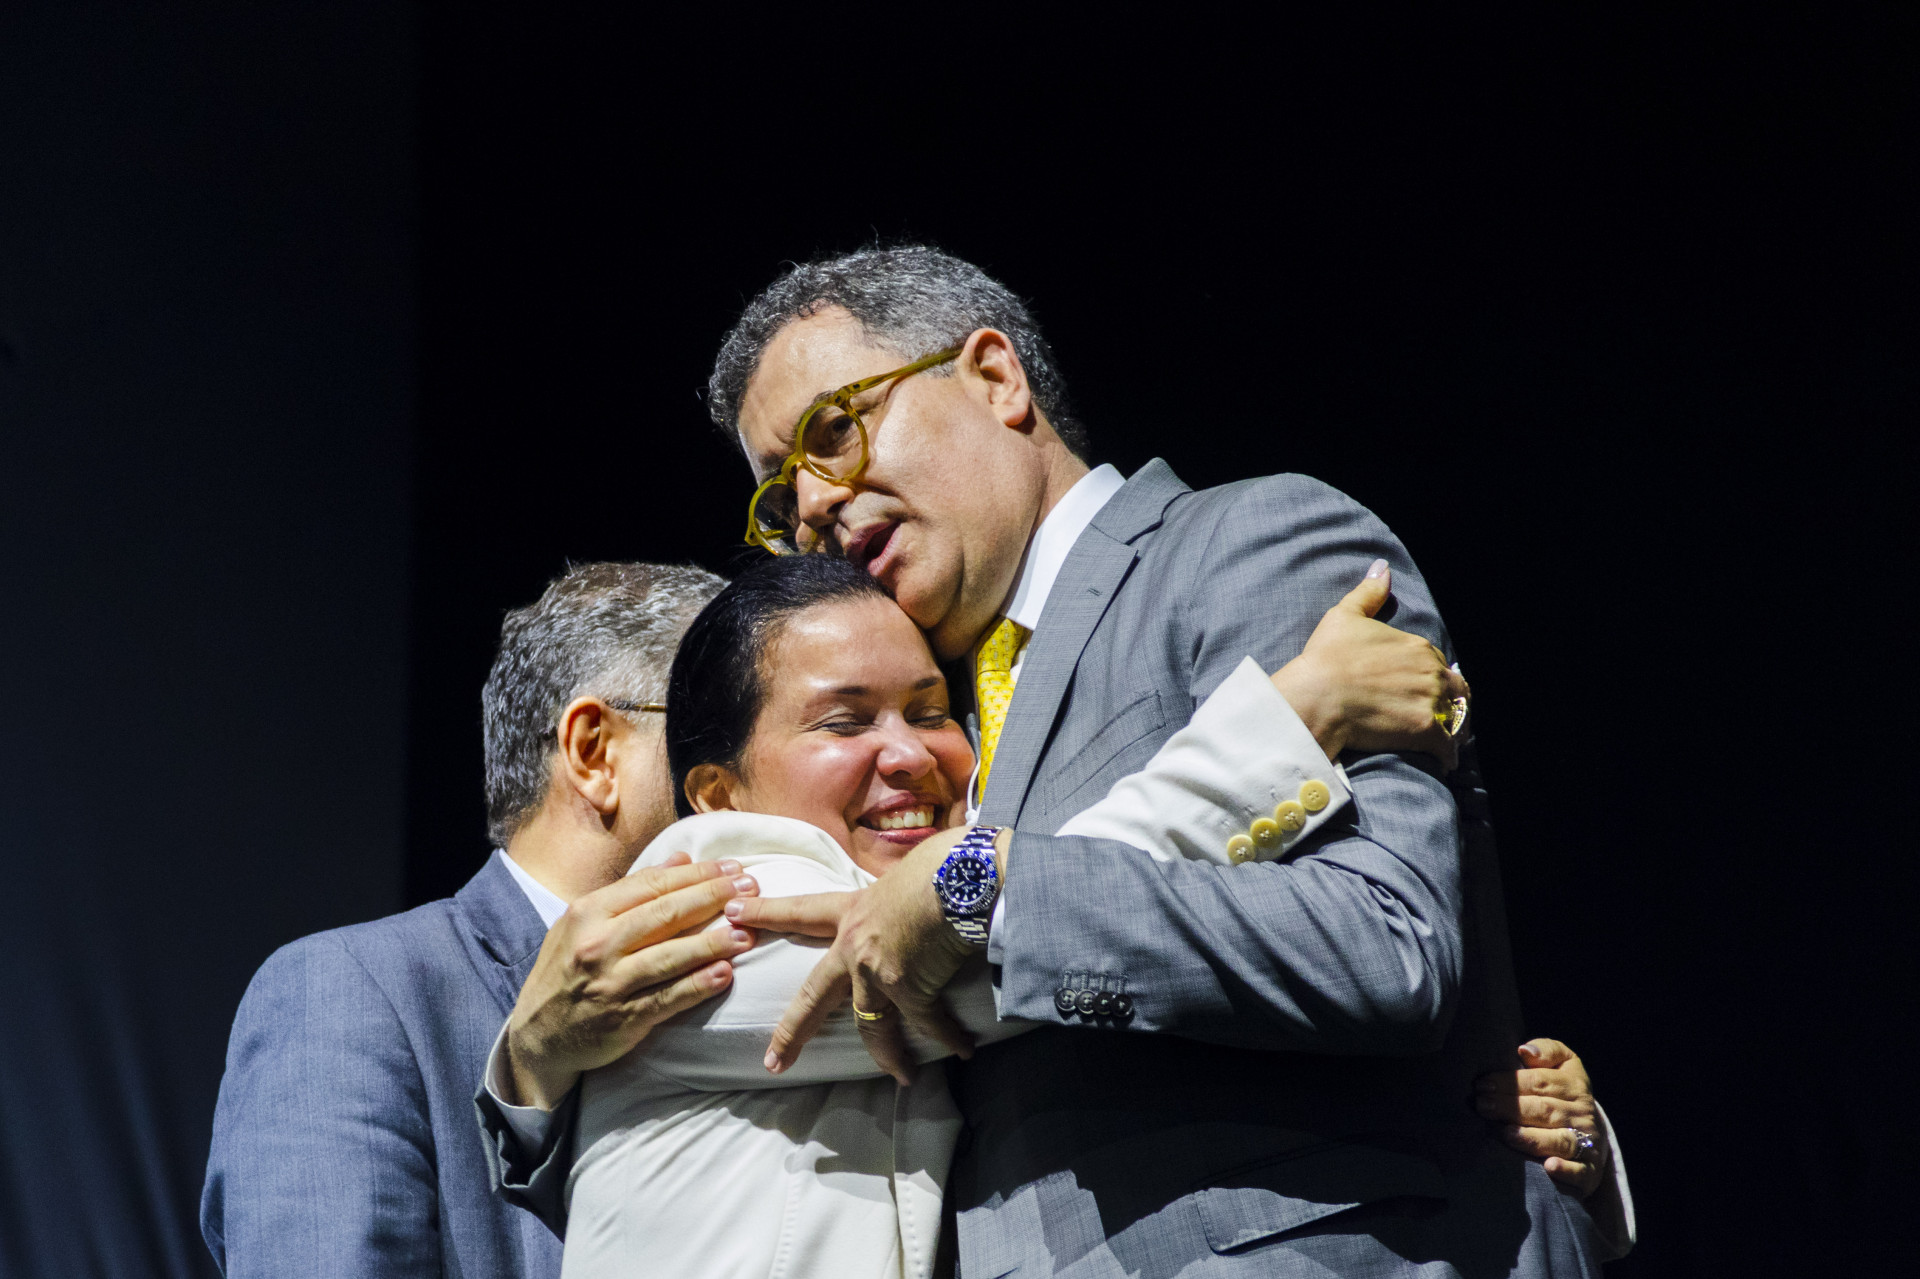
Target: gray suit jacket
<point x="344" y="1143"/>
<point x="1287" y="1091"/>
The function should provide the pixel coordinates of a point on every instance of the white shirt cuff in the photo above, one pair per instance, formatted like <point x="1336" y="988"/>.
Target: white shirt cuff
<point x="530" y="1124"/>
<point x="997" y="927"/>
<point x="1611" y="1207"/>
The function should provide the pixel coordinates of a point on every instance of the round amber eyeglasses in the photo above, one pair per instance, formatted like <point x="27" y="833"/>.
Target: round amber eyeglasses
<point x="830" y="442"/>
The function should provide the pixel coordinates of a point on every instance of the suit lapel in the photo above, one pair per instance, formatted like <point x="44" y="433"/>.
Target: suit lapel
<point x="1099" y="562"/>
<point x="503" y="928"/>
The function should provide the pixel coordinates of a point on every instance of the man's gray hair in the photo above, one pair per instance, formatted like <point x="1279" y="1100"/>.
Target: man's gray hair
<point x="603" y="630"/>
<point x="914" y="299"/>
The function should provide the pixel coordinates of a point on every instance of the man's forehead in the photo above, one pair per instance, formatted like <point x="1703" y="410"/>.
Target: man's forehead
<point x="807" y="358"/>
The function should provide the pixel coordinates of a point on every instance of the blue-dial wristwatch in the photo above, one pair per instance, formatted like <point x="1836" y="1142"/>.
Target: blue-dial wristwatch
<point x="967" y="883"/>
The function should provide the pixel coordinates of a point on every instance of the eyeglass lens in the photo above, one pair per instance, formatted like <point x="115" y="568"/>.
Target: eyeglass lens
<point x="833" y="441"/>
<point x="778" y="508"/>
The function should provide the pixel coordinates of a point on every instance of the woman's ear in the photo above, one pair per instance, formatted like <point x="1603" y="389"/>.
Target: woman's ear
<point x="711" y="788"/>
<point x="592" y="736"/>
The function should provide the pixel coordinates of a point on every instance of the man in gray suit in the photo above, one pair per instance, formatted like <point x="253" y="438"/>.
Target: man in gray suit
<point x="344" y="1143"/>
<point x="1254" y="1068"/>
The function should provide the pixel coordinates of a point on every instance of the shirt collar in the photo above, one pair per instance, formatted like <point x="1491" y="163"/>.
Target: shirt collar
<point x="1047" y="552"/>
<point x="545" y="901"/>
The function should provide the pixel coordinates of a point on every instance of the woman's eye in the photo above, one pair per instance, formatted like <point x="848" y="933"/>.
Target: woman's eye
<point x="844" y="727"/>
<point x="933" y="719"/>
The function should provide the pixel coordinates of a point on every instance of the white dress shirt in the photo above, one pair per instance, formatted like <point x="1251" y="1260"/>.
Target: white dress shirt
<point x="1047" y="552"/>
<point x="1045" y="556"/>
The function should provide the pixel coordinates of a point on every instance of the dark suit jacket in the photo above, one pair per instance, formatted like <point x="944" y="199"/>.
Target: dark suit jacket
<point x="1285" y="1088"/>
<point x="344" y="1143"/>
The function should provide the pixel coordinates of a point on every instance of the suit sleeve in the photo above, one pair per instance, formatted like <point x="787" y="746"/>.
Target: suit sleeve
<point x="322" y="1157"/>
<point x="529" y="1152"/>
<point x="1351" y="943"/>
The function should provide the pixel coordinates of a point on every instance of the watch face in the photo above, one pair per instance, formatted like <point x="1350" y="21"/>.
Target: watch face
<point x="966" y="882"/>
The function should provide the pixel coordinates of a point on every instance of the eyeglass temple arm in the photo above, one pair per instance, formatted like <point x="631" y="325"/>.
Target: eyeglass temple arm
<point x="852" y="389"/>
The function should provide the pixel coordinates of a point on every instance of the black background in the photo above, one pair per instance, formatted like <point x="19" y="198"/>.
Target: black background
<point x="328" y="337"/>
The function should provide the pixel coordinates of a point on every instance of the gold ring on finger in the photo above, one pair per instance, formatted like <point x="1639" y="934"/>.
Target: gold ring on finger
<point x="1452" y="716"/>
<point x="863" y="1015"/>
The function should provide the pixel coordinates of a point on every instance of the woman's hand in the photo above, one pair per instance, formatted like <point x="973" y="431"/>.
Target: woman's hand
<point x="893" y="954"/>
<point x="1362" y="685"/>
<point x="1544" y="1108"/>
<point x="812" y="915"/>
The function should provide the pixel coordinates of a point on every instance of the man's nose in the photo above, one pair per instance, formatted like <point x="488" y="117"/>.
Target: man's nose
<point x="817" y="500"/>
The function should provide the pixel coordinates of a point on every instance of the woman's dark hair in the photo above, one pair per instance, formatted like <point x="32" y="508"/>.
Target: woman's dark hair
<point x="718" y="681"/>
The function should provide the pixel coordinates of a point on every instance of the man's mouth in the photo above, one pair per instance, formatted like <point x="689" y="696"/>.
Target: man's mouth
<point x="869" y="545"/>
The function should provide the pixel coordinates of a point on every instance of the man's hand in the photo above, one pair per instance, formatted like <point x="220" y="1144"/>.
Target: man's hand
<point x="623" y="959"/>
<point x="1363" y="685"/>
<point x="894" y="953"/>
<point x="1541" y="1106"/>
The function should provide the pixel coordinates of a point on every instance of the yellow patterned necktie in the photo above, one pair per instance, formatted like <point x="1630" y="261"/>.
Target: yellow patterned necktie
<point x="993" y="685"/>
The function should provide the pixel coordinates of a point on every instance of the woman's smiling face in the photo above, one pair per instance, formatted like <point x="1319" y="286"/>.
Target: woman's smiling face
<point x="854" y="735"/>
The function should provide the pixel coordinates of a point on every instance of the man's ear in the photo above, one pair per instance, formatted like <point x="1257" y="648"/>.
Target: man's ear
<point x="593" y="736"/>
<point x="710" y="788"/>
<point x="989" y="354"/>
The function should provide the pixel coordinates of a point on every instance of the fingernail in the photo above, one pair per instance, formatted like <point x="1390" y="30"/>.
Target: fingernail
<point x="729" y="867"/>
<point x="744" y="884"/>
<point x="741" y="936"/>
<point x="719" y="975"/>
<point x="773" y="1062"/>
<point x="1529" y="1050"/>
<point x="734" y="909"/>
<point x="1376" y="569"/>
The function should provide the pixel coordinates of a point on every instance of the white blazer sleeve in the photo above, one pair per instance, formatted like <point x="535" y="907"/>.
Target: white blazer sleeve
<point x="1244" y="753"/>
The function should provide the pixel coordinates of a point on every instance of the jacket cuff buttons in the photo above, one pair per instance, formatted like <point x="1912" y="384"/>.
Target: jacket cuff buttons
<point x="1270" y="834"/>
<point x="1083" y="1001"/>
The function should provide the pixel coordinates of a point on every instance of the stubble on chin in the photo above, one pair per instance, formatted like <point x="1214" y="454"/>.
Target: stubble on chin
<point x="926" y="603"/>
